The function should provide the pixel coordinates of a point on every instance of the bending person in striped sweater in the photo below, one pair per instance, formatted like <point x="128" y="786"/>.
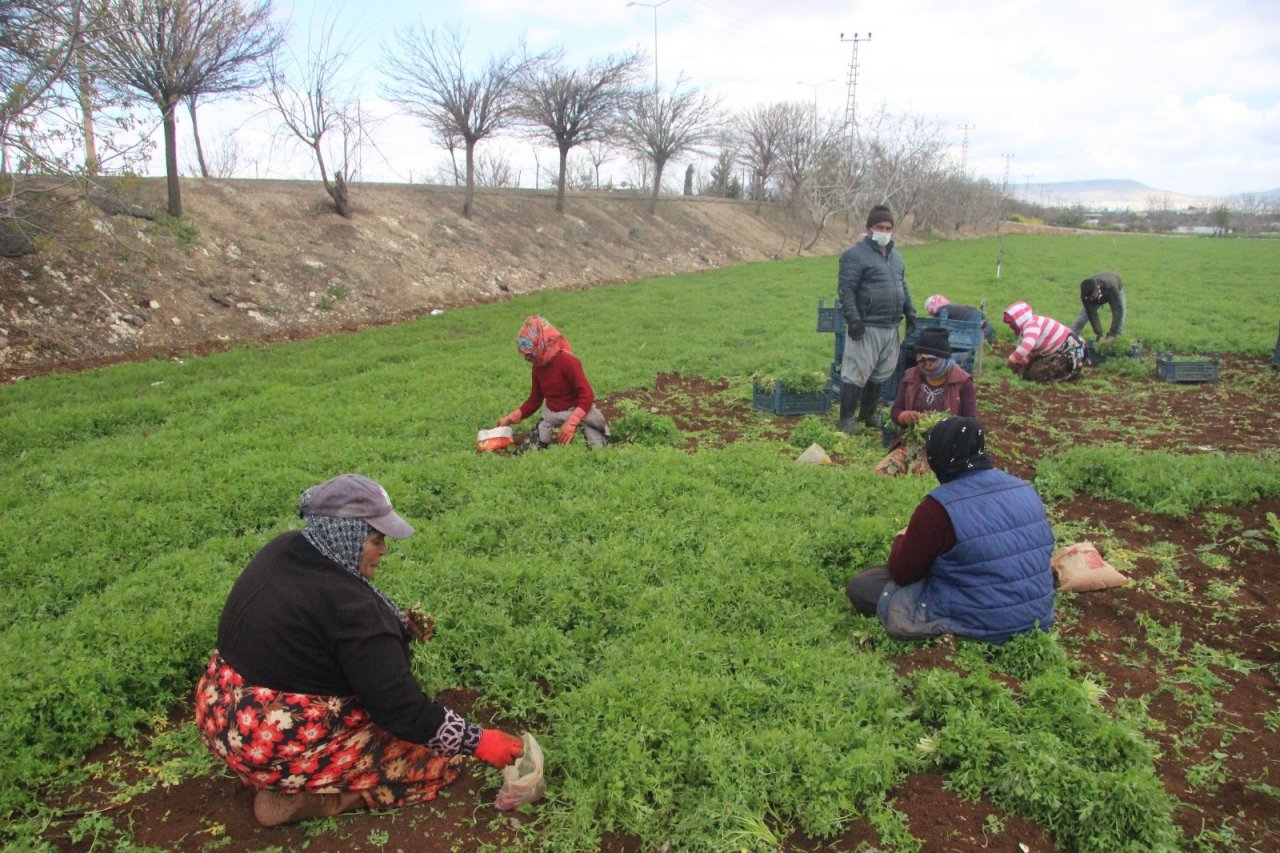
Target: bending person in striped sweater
<point x="1047" y="351"/>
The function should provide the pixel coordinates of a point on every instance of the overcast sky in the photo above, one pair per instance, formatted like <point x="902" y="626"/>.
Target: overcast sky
<point x="1182" y="96"/>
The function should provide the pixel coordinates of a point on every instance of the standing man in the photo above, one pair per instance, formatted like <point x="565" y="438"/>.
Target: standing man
<point x="873" y="299"/>
<point x="1103" y="287"/>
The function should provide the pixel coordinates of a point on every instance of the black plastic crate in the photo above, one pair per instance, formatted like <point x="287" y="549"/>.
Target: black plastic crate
<point x="830" y="319"/>
<point x="780" y="401"/>
<point x="1173" y="368"/>
<point x="1275" y="359"/>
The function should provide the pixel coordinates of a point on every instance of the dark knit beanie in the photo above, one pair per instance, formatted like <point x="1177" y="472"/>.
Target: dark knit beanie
<point x="879" y="213"/>
<point x="934" y="341"/>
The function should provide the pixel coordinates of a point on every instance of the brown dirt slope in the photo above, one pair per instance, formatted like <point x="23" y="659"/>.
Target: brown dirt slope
<point x="270" y="259"/>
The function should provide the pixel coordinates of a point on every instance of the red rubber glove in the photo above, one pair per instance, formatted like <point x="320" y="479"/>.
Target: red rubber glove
<point x="570" y="427"/>
<point x="513" y="418"/>
<point x="498" y="748"/>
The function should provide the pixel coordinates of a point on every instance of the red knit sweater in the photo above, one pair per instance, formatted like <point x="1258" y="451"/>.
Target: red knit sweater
<point x="561" y="384"/>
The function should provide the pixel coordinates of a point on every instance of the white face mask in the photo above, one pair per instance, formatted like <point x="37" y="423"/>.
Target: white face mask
<point x="882" y="238"/>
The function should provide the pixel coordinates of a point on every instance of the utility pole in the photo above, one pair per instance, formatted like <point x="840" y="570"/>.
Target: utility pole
<point x="654" y="7"/>
<point x="851" y="108"/>
<point x="1004" y="184"/>
<point x="964" y="148"/>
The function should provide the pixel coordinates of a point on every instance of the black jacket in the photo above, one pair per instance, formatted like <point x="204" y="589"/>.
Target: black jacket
<point x="873" y="288"/>
<point x="298" y="622"/>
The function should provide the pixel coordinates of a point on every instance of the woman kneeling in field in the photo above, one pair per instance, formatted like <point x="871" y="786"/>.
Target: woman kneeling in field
<point x="974" y="559"/>
<point x="935" y="384"/>
<point x="309" y="697"/>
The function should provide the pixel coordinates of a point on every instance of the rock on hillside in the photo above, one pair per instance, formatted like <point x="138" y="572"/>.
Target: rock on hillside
<point x="269" y="259"/>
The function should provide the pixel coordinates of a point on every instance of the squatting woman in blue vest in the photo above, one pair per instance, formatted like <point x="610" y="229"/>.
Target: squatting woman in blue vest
<point x="974" y="559"/>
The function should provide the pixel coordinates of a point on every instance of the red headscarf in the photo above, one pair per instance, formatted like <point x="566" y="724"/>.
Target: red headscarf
<point x="541" y="340"/>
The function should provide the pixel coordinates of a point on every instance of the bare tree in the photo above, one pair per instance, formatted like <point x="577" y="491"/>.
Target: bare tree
<point x="578" y="106"/>
<point x="759" y="133"/>
<point x="662" y="125"/>
<point x="169" y="50"/>
<point x="43" y="64"/>
<point x="314" y="101"/>
<point x="800" y="143"/>
<point x="433" y="84"/>
<point x="598" y="153"/>
<point x="494" y="170"/>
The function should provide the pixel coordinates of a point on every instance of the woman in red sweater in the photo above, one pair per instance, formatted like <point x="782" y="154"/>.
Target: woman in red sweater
<point x="559" y="382"/>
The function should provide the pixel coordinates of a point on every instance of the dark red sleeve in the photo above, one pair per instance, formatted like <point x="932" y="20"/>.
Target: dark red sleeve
<point x="534" y="401"/>
<point x="968" y="400"/>
<point x="929" y="533"/>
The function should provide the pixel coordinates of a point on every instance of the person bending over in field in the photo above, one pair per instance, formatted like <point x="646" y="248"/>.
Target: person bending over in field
<point x="934" y="384"/>
<point x="558" y="380"/>
<point x="1102" y="288"/>
<point x="309" y="697"/>
<point x="1047" y="351"/>
<point x="974" y="559"/>
<point x="939" y="306"/>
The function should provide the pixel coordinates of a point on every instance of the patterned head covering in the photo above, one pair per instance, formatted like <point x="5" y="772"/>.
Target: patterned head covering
<point x="936" y="303"/>
<point x="541" y="340"/>
<point x="956" y="446"/>
<point x="341" y="540"/>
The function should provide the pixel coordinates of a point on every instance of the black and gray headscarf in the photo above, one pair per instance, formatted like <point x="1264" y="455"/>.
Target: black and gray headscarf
<point x="956" y="446"/>
<point x="341" y="540"/>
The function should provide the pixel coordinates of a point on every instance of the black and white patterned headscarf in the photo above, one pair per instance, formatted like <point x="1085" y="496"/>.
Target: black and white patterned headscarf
<point x="956" y="446"/>
<point x="341" y="540"/>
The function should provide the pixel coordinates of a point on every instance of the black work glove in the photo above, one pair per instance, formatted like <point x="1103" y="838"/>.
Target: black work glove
<point x="856" y="330"/>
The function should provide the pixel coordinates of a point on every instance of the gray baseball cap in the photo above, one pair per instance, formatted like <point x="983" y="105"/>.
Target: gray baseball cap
<point x="356" y="496"/>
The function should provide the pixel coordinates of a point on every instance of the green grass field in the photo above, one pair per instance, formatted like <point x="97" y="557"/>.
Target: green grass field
<point x="676" y="620"/>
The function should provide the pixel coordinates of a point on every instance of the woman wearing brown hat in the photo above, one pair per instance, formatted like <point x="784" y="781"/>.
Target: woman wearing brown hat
<point x="309" y="697"/>
<point x="935" y="384"/>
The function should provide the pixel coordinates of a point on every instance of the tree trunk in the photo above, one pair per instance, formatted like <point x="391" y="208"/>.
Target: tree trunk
<point x="171" y="160"/>
<point x="471" y="180"/>
<point x="564" y="165"/>
<point x="657" y="185"/>
<point x="85" y="93"/>
<point x="195" y="131"/>
<point x="339" y="195"/>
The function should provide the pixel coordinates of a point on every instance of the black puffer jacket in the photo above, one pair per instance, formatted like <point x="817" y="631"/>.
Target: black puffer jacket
<point x="873" y="288"/>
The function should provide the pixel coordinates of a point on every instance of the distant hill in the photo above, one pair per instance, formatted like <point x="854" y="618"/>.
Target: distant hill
<point x="1105" y="195"/>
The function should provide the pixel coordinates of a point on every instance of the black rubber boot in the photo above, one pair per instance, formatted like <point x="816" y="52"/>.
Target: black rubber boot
<point x="849" y="394"/>
<point x="868" y="410"/>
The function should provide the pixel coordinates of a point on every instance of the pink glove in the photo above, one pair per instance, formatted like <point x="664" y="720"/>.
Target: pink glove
<point x="570" y="427"/>
<point x="498" y="748"/>
<point x="513" y="418"/>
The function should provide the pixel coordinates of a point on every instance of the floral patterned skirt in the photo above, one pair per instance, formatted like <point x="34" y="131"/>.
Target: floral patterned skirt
<point x="296" y="742"/>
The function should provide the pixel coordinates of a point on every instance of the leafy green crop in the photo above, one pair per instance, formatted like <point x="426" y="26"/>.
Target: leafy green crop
<point x="672" y="626"/>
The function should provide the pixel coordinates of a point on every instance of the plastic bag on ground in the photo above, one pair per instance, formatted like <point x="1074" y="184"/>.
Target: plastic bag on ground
<point x="1080" y="568"/>
<point x="497" y="438"/>
<point x="522" y="782"/>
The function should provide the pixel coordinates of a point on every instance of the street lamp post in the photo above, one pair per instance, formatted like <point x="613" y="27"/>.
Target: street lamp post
<point x="815" y="86"/>
<point x="654" y="7"/>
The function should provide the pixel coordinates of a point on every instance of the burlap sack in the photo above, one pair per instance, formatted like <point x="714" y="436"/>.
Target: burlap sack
<point x="1080" y="568"/>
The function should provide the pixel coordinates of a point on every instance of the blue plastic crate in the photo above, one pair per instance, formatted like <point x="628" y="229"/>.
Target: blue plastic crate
<point x="780" y="401"/>
<point x="1173" y="368"/>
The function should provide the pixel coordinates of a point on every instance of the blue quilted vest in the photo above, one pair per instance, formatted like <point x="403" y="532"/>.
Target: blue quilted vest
<point x="996" y="581"/>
